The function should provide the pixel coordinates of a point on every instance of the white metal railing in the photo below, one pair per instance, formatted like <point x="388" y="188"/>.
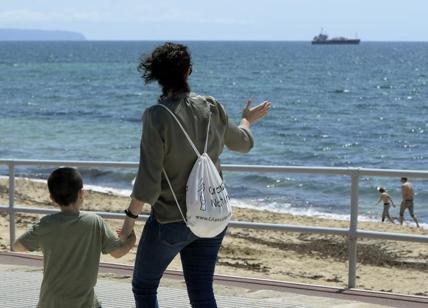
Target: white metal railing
<point x="352" y="232"/>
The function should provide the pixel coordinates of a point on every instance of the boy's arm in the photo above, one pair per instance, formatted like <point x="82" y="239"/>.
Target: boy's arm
<point x="113" y="245"/>
<point x="392" y="202"/>
<point x="17" y="246"/>
<point x="125" y="247"/>
<point x="29" y="241"/>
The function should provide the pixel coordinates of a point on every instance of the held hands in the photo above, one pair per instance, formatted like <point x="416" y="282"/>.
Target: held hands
<point x="125" y="237"/>
<point x="128" y="223"/>
<point x="252" y="115"/>
<point x="119" y="231"/>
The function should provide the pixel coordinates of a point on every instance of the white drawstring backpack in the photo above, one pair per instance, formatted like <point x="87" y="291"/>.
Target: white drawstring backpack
<point x="207" y="201"/>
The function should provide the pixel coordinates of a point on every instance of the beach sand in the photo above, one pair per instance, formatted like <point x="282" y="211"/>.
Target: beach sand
<point x="391" y="266"/>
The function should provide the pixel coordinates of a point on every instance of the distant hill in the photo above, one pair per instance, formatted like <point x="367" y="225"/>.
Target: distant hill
<point x="39" y="35"/>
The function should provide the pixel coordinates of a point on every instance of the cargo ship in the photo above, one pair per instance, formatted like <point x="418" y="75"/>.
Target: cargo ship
<point x="323" y="39"/>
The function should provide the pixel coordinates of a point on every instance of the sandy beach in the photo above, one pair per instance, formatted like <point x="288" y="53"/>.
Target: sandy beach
<point x="390" y="266"/>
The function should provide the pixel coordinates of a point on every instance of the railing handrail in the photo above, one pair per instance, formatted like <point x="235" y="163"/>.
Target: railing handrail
<point x="232" y="167"/>
<point x="352" y="232"/>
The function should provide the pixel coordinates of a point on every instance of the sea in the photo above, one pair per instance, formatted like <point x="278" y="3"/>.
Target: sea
<point x="362" y="106"/>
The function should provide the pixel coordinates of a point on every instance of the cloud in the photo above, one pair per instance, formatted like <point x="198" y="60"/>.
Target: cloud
<point x="28" y="16"/>
<point x="142" y="14"/>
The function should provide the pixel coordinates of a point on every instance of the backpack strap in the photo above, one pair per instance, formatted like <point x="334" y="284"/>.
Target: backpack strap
<point x="194" y="149"/>
<point x="208" y="131"/>
<point x="173" y="194"/>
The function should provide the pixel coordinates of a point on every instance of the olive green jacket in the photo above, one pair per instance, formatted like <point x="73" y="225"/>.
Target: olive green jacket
<point x="163" y="145"/>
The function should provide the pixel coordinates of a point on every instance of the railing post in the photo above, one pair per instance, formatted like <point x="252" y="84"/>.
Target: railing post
<point x="12" y="229"/>
<point x="353" y="230"/>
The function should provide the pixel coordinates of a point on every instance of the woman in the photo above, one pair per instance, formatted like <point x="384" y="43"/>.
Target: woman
<point x="163" y="145"/>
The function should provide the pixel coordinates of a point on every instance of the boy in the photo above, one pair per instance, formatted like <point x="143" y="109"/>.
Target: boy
<point x="387" y="201"/>
<point x="71" y="242"/>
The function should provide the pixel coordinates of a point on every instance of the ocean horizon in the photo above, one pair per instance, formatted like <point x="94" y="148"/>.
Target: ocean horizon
<point x="334" y="106"/>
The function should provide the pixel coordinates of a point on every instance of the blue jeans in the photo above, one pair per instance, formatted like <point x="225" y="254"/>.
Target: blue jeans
<point x="158" y="246"/>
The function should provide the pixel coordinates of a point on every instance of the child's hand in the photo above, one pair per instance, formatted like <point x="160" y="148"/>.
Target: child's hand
<point x="132" y="236"/>
<point x="121" y="235"/>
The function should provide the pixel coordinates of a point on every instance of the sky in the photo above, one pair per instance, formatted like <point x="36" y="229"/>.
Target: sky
<point x="370" y="20"/>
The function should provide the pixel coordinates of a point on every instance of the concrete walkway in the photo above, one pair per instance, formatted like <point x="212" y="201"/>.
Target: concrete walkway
<point x="19" y="287"/>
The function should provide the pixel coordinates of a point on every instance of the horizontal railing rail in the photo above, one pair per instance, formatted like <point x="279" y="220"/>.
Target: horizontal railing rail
<point x="235" y="168"/>
<point x="352" y="232"/>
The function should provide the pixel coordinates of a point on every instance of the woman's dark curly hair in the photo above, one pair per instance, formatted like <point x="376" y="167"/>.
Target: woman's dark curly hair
<point x="168" y="65"/>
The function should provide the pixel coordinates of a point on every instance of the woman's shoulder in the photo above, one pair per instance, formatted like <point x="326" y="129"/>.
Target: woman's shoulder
<point x="154" y="116"/>
<point x="215" y="105"/>
<point x="156" y="113"/>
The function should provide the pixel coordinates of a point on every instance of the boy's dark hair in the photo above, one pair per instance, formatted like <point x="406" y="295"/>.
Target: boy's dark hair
<point x="64" y="185"/>
<point x="381" y="189"/>
<point x="168" y="65"/>
<point x="403" y="179"/>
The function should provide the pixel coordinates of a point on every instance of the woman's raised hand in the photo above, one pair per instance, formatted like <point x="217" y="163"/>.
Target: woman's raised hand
<point x="252" y="115"/>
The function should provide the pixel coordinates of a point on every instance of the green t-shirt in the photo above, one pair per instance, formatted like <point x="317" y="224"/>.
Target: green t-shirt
<point x="71" y="246"/>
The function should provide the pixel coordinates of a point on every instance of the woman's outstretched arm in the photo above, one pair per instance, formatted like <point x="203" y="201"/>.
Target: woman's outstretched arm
<point x="239" y="138"/>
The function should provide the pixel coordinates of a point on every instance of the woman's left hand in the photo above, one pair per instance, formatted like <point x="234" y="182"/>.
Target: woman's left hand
<point x="252" y="115"/>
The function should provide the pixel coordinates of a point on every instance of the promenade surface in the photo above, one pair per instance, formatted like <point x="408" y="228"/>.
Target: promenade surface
<point x="21" y="275"/>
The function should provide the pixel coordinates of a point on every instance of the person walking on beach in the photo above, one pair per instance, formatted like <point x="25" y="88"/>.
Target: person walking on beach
<point x="71" y="242"/>
<point x="387" y="202"/>
<point x="407" y="201"/>
<point x="164" y="146"/>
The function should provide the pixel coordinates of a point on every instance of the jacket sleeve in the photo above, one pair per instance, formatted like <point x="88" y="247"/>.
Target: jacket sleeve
<point x="237" y="138"/>
<point x="147" y="186"/>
